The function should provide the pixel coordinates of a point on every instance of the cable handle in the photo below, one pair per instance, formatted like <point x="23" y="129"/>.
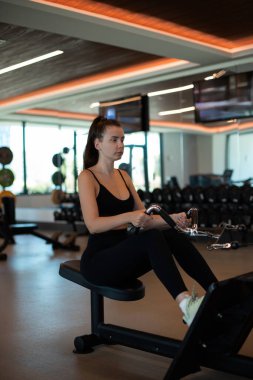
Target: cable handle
<point x="193" y="215"/>
<point x="154" y="208"/>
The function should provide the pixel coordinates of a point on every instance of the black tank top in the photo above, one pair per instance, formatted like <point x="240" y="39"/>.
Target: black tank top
<point x="108" y="204"/>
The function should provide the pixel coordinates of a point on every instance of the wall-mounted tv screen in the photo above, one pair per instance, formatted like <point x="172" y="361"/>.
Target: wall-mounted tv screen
<point x="224" y="98"/>
<point x="132" y="112"/>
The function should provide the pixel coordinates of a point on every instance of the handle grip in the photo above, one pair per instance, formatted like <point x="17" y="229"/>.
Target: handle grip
<point x="158" y="210"/>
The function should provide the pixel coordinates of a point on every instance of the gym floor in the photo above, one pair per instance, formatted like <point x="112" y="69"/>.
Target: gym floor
<point x="41" y="313"/>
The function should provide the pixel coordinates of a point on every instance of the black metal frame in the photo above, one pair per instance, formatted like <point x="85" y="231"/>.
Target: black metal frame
<point x="113" y="334"/>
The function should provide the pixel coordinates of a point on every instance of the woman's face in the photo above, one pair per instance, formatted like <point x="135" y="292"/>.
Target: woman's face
<point x="111" y="146"/>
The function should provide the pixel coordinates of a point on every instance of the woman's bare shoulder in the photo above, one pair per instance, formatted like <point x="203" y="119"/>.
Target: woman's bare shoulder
<point x="85" y="175"/>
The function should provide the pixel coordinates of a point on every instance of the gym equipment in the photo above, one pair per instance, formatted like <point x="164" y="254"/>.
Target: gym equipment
<point x="234" y="194"/>
<point x="199" y="195"/>
<point x="5" y="193"/>
<point x="6" y="155"/>
<point x="218" y="331"/>
<point x="188" y="195"/>
<point x="224" y="203"/>
<point x="3" y="244"/>
<point x="166" y="195"/>
<point x="247" y="194"/>
<point x="58" y="178"/>
<point x="57" y="196"/>
<point x="6" y="177"/>
<point x="9" y="228"/>
<point x="157" y="195"/>
<point x="57" y="160"/>
<point x="69" y="208"/>
<point x="231" y="236"/>
<point x="147" y="198"/>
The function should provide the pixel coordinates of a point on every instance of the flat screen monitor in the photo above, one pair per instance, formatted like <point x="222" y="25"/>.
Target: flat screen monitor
<point x="226" y="98"/>
<point x="132" y="112"/>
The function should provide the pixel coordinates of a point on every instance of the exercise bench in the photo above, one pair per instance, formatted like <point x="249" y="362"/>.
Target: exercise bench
<point x="218" y="331"/>
<point x="9" y="227"/>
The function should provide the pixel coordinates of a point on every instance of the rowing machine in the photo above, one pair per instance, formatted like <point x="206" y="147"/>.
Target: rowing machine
<point x="217" y="333"/>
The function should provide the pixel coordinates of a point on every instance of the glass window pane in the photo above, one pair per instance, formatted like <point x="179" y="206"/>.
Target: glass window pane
<point x="66" y="150"/>
<point x="137" y="138"/>
<point x="240" y="155"/>
<point x="138" y="168"/>
<point x="134" y="153"/>
<point x="154" y="161"/>
<point x="42" y="142"/>
<point x="81" y="140"/>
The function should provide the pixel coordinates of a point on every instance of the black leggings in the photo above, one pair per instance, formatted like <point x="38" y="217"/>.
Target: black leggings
<point x="112" y="258"/>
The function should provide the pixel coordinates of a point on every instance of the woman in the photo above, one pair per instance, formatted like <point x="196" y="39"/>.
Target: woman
<point x="109" y="204"/>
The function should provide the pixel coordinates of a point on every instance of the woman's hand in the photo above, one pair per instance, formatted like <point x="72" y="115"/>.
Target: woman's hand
<point x="140" y="219"/>
<point x="181" y="219"/>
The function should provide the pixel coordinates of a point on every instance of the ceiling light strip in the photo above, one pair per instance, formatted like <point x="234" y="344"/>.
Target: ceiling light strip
<point x="170" y="90"/>
<point x="30" y="61"/>
<point x="155" y="93"/>
<point x="173" y="112"/>
<point x="100" y="79"/>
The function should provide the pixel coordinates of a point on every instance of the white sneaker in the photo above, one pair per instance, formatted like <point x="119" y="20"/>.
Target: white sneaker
<point x="192" y="305"/>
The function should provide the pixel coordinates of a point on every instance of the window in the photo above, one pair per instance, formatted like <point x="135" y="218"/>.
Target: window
<point x="134" y="155"/>
<point x="39" y="143"/>
<point x="81" y="140"/>
<point x="240" y="155"/>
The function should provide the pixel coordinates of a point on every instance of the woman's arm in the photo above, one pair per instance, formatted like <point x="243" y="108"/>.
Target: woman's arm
<point x="156" y="221"/>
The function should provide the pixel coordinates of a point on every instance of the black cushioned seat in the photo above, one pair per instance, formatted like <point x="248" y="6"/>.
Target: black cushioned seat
<point x="22" y="228"/>
<point x="132" y="291"/>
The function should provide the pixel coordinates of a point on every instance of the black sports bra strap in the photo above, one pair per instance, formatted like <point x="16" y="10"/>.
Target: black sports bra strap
<point x="94" y="176"/>
<point x="123" y="178"/>
<point x="100" y="183"/>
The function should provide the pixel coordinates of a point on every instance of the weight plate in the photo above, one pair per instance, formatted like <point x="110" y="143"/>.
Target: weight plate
<point x="6" y="177"/>
<point x="6" y="155"/>
<point x="58" y="178"/>
<point x="57" y="196"/>
<point x="57" y="160"/>
<point x="157" y="195"/>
